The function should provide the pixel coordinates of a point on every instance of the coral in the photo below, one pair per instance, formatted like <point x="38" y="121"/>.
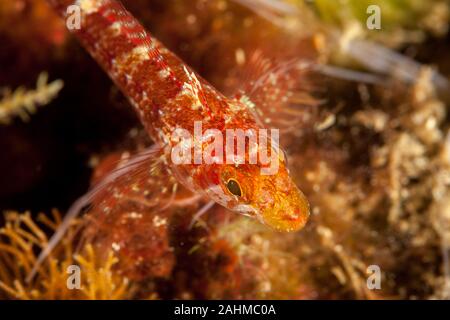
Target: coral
<point x="401" y="21"/>
<point x="275" y="270"/>
<point x="21" y="236"/>
<point x="22" y="102"/>
<point x="384" y="210"/>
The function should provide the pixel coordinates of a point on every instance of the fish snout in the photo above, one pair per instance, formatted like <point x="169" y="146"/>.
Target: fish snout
<point x="288" y="214"/>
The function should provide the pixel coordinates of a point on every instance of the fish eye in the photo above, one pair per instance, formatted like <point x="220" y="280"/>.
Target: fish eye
<point x="234" y="187"/>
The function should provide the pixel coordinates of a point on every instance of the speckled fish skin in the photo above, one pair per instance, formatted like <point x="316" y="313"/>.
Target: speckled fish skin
<point x="166" y="95"/>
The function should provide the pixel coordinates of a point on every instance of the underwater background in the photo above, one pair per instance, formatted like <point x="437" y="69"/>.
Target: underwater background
<point x="372" y="158"/>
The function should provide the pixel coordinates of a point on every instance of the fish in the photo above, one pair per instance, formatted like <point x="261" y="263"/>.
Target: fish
<point x="169" y="97"/>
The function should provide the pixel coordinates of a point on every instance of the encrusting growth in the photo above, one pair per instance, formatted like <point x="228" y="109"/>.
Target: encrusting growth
<point x="19" y="239"/>
<point x="21" y="102"/>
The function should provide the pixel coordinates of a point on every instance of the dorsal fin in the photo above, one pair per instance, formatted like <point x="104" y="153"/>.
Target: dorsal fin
<point x="281" y="94"/>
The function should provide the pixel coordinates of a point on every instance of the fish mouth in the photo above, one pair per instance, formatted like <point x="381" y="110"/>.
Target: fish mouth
<point x="246" y="210"/>
<point x="250" y="211"/>
<point x="289" y="215"/>
<point x="281" y="217"/>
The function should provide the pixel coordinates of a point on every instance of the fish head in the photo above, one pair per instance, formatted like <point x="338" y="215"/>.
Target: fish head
<point x="273" y="199"/>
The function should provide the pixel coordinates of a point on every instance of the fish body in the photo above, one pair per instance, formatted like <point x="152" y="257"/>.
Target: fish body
<point x="167" y="95"/>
